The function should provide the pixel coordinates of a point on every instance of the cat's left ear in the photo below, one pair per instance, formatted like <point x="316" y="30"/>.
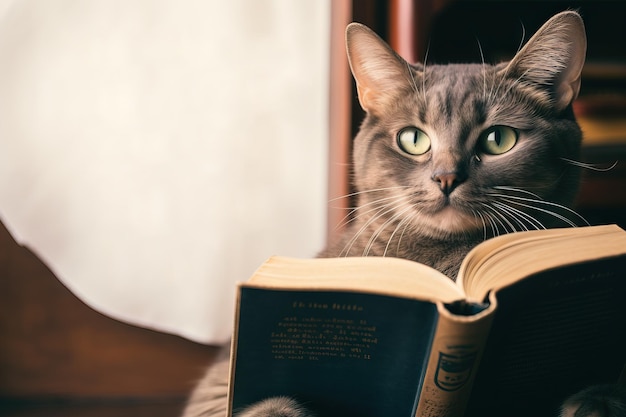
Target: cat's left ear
<point x="553" y="58"/>
<point x="377" y="69"/>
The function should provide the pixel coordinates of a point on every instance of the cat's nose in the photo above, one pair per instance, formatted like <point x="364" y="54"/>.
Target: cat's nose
<point x="448" y="181"/>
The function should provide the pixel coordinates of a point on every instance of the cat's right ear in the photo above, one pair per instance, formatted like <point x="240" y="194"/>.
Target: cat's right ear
<point x="553" y="59"/>
<point x="377" y="69"/>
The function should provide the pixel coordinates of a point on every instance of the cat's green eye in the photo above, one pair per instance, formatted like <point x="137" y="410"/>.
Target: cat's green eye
<point x="413" y="141"/>
<point x="497" y="140"/>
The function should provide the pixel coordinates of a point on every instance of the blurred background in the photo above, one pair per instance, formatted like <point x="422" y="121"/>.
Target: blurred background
<point x="153" y="153"/>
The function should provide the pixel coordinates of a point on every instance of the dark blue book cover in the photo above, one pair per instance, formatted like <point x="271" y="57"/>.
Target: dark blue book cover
<point x="338" y="353"/>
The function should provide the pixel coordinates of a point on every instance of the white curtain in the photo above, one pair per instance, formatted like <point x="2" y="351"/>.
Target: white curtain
<point x="155" y="152"/>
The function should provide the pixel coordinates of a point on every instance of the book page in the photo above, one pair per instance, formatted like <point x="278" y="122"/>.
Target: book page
<point x="553" y="334"/>
<point x="390" y="276"/>
<point x="501" y="261"/>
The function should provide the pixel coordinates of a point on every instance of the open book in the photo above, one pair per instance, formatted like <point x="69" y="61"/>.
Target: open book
<point x="532" y="318"/>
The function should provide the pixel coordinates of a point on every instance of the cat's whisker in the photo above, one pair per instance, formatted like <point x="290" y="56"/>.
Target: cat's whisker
<point x="507" y="200"/>
<point x="424" y="75"/>
<point x="592" y="167"/>
<point x="517" y="81"/>
<point x="510" y="218"/>
<point x="400" y="223"/>
<point x="517" y="189"/>
<point x="373" y="190"/>
<point x="478" y="214"/>
<point x="493" y="90"/>
<point x="482" y="58"/>
<point x="382" y="227"/>
<point x="380" y="212"/>
<point x="370" y="243"/>
<point x="518" y="201"/>
<point x="494" y="228"/>
<point x="346" y="250"/>
<point x="505" y="219"/>
<point x="531" y="220"/>
<point x="505" y="76"/>
<point x="505" y="73"/>
<point x="486" y="216"/>
<point x="499" y="218"/>
<point x="413" y="83"/>
<point x="521" y="41"/>
<point x="406" y="226"/>
<point x="350" y="217"/>
<point x="521" y="218"/>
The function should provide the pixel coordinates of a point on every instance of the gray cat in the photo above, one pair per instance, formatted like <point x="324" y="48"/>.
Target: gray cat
<point x="448" y="156"/>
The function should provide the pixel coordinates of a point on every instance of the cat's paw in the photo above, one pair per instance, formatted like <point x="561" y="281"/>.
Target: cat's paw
<point x="275" y="407"/>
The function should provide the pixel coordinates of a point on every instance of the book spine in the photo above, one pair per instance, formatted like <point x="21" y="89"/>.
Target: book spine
<point x="233" y="355"/>
<point x="455" y="354"/>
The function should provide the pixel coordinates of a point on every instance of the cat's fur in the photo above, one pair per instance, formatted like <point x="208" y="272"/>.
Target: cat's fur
<point x="435" y="206"/>
<point x="597" y="401"/>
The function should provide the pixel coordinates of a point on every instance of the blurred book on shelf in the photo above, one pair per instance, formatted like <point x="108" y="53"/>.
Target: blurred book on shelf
<point x="601" y="107"/>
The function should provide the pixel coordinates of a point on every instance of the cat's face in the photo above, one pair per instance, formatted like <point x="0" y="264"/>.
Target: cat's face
<point x="460" y="149"/>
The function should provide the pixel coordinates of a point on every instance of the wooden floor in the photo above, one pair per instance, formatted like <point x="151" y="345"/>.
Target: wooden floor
<point x="93" y="409"/>
<point x="59" y="357"/>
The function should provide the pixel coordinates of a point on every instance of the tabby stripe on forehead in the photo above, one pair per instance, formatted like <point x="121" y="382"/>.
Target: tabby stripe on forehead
<point x="422" y="114"/>
<point x="450" y="107"/>
<point x="447" y="106"/>
<point x="481" y="111"/>
<point x="465" y="131"/>
<point x="476" y="103"/>
<point x="378" y="135"/>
